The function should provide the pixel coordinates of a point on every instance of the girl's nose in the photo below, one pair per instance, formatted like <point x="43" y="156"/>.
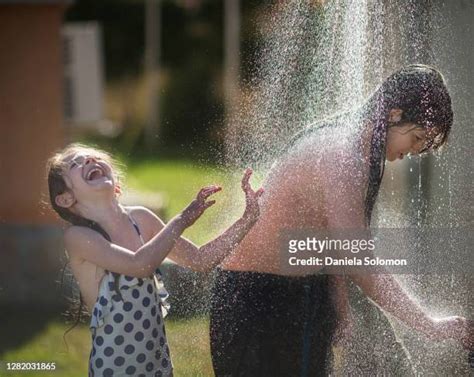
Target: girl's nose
<point x="89" y="160"/>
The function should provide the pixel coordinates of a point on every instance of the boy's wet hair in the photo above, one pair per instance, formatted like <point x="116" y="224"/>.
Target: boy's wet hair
<point x="56" y="167"/>
<point x="420" y="91"/>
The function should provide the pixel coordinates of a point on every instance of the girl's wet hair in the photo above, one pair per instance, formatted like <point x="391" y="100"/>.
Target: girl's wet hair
<point x="56" y="167"/>
<point x="421" y="92"/>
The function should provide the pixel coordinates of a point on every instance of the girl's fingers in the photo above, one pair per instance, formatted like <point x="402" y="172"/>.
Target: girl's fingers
<point x="211" y="191"/>
<point x="251" y="195"/>
<point x="208" y="204"/>
<point x="210" y="188"/>
<point x="246" y="178"/>
<point x="205" y="192"/>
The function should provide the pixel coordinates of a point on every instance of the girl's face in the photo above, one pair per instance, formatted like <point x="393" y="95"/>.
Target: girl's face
<point x="87" y="174"/>
<point x="403" y="139"/>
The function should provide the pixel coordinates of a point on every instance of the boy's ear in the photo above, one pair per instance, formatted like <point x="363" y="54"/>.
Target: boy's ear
<point x="118" y="189"/>
<point x="395" y="115"/>
<point x="65" y="200"/>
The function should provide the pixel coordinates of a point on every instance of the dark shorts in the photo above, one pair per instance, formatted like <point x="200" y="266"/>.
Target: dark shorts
<point x="270" y="325"/>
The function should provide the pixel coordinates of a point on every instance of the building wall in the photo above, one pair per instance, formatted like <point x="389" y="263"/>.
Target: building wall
<point x="31" y="127"/>
<point x="30" y="107"/>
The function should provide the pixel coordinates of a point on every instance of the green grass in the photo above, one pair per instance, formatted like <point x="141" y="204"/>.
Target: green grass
<point x="24" y="336"/>
<point x="189" y="345"/>
<point x="188" y="339"/>
<point x="180" y="181"/>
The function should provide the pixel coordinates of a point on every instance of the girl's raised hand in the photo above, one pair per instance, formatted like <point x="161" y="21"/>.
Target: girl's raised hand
<point x="197" y="207"/>
<point x="252" y="208"/>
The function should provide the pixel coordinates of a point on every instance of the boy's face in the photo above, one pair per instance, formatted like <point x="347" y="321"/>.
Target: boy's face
<point x="403" y="139"/>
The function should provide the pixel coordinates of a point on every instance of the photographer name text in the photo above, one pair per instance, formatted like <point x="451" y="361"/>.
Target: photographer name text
<point x="302" y="253"/>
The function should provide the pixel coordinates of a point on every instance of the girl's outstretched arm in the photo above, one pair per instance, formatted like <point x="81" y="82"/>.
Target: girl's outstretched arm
<point x="87" y="244"/>
<point x="208" y="256"/>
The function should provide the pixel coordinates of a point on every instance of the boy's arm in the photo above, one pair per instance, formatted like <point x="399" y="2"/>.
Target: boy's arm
<point x="345" y="199"/>
<point x="340" y="296"/>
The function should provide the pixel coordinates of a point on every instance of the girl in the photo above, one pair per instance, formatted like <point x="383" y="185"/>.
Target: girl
<point x="115" y="252"/>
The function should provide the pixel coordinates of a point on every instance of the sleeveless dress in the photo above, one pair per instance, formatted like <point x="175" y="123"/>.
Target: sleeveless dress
<point x="128" y="333"/>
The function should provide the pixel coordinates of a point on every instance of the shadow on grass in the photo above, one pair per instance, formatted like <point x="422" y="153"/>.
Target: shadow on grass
<point x="19" y="324"/>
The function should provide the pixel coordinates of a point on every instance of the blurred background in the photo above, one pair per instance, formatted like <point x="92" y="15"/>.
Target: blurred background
<point x="185" y="93"/>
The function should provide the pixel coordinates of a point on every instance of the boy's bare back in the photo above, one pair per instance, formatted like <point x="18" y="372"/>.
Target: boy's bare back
<point x="300" y="192"/>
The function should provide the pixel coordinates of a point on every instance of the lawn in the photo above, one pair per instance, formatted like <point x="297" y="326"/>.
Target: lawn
<point x="180" y="181"/>
<point x="29" y="336"/>
<point x="189" y="344"/>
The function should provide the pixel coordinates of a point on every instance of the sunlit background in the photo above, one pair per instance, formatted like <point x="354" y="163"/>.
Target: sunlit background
<point x="187" y="93"/>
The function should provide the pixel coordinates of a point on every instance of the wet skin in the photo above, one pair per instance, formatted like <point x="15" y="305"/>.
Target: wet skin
<point x="301" y="188"/>
<point x="323" y="187"/>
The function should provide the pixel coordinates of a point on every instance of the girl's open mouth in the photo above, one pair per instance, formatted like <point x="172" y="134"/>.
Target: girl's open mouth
<point x="94" y="174"/>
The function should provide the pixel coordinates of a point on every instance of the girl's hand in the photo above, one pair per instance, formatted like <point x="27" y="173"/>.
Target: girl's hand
<point x="457" y="328"/>
<point x="197" y="207"/>
<point x="252" y="208"/>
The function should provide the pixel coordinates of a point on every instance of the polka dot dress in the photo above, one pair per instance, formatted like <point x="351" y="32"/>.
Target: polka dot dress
<point x="128" y="334"/>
